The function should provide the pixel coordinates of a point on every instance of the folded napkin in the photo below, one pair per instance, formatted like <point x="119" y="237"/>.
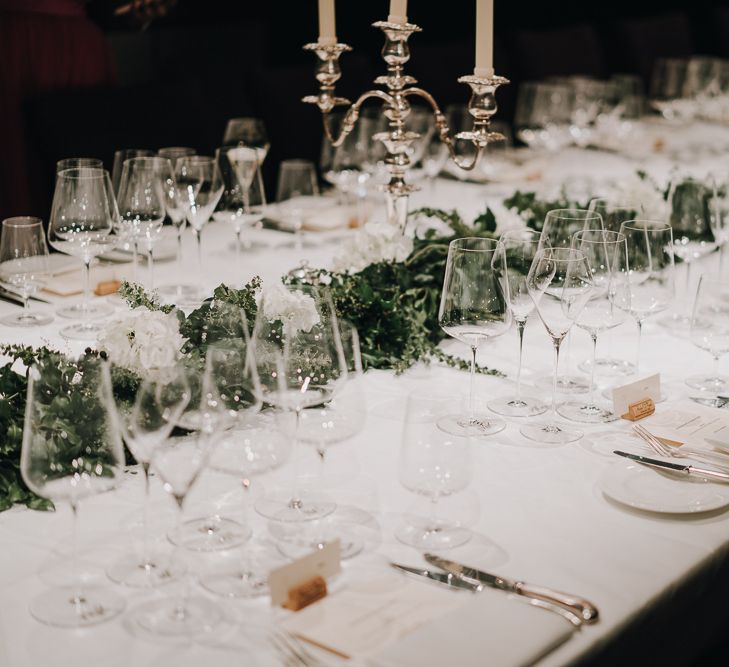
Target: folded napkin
<point x="491" y="629"/>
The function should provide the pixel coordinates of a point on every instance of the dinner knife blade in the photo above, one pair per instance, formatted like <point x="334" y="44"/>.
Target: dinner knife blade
<point x="676" y="467"/>
<point x="443" y="578"/>
<point x="583" y="608"/>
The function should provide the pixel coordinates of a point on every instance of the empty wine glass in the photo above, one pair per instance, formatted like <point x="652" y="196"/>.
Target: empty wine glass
<point x="520" y="247"/>
<point x="81" y="224"/>
<point x="648" y="287"/>
<point x="178" y="461"/>
<point x="474" y="307"/>
<point x="120" y="157"/>
<point x="158" y="405"/>
<point x="147" y="185"/>
<point x="77" y="162"/>
<point x="199" y="188"/>
<point x="719" y="216"/>
<point x="24" y="267"/>
<point x="244" y="200"/>
<point x="249" y="132"/>
<point x="607" y="259"/>
<point x="296" y="180"/>
<point x="60" y="392"/>
<point x="298" y="353"/>
<point x="710" y="331"/>
<point x="560" y="283"/>
<point x="434" y="464"/>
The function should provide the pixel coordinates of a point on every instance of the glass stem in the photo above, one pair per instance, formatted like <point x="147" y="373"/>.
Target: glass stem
<point x="295" y="502"/>
<point x="637" y="354"/>
<point x="135" y="259"/>
<point x="557" y="342"/>
<point x="180" y="610"/>
<point x="150" y="267"/>
<point x="146" y="558"/>
<point x="722" y="258"/>
<point x="432" y="514"/>
<point x="716" y="367"/>
<point x="520" y="325"/>
<point x="199" y="254"/>
<point x="78" y="594"/>
<point x="591" y="393"/>
<point x="472" y="389"/>
<point x="87" y="288"/>
<point x="238" y="244"/>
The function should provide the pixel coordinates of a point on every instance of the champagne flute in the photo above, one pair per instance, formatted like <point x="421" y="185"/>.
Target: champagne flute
<point x="81" y="222"/>
<point x="60" y="392"/>
<point x="607" y="258"/>
<point x="147" y="183"/>
<point x="199" y="188"/>
<point x="434" y="464"/>
<point x="474" y="307"/>
<point x="648" y="288"/>
<point x="24" y="267"/>
<point x="520" y="247"/>
<point x="298" y="353"/>
<point x="158" y="405"/>
<point x="560" y="283"/>
<point x="710" y="332"/>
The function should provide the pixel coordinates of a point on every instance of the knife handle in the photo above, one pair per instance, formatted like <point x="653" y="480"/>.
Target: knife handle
<point x="584" y="609"/>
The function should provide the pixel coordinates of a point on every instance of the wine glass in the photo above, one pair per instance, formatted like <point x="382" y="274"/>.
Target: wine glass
<point x="199" y="188"/>
<point x="434" y="159"/>
<point x="120" y="157"/>
<point x="690" y="204"/>
<point x="81" y="222"/>
<point x="434" y="464"/>
<point x="520" y="247"/>
<point x="24" y="267"/>
<point x="62" y="392"/>
<point x="667" y="89"/>
<point x="560" y="283"/>
<point x="147" y="185"/>
<point x="719" y="215"/>
<point x="474" y="307"/>
<point x="178" y="461"/>
<point x="710" y="331"/>
<point x="249" y="132"/>
<point x="244" y="200"/>
<point x="158" y="405"/>
<point x="607" y="259"/>
<point x="77" y="162"/>
<point x="648" y="287"/>
<point x="298" y="353"/>
<point x="296" y="180"/>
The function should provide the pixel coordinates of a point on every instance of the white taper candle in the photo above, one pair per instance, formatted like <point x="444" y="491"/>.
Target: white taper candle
<point x="398" y="11"/>
<point x="484" y="38"/>
<point x="327" y="30"/>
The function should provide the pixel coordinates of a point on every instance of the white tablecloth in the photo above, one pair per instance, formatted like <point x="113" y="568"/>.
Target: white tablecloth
<point x="535" y="510"/>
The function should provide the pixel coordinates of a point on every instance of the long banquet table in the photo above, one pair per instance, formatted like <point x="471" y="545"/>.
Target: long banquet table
<point x="535" y="510"/>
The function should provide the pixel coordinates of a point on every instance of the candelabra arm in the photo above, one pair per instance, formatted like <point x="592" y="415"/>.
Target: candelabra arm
<point x="350" y="118"/>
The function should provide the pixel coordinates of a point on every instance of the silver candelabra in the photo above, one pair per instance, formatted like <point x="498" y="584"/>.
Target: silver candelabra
<point x="396" y="107"/>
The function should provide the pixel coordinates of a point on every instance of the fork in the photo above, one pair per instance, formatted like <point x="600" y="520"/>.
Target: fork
<point x="718" y="460"/>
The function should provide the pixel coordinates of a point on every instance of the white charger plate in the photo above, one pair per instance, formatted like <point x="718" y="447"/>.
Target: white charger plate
<point x="645" y="488"/>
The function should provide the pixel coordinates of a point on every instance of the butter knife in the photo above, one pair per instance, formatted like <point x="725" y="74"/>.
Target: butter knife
<point x="582" y="608"/>
<point x="676" y="467"/>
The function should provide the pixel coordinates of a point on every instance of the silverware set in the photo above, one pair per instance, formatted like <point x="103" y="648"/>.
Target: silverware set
<point x="457" y="576"/>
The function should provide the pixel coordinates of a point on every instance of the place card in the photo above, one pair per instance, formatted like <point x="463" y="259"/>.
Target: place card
<point x="324" y="563"/>
<point x="635" y="392"/>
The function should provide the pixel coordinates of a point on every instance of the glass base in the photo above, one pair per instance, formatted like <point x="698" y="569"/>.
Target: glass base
<point x="294" y="509"/>
<point x="715" y="402"/>
<point x="433" y="535"/>
<point x="133" y="572"/>
<point x="587" y="413"/>
<point x="60" y="607"/>
<point x="471" y="425"/>
<point x="552" y="433"/>
<point x="88" y="331"/>
<point x="245" y="583"/>
<point x="172" y="618"/>
<point x="26" y="319"/>
<point x="608" y="367"/>
<point x="566" y="384"/>
<point x="85" y="311"/>
<point x="526" y="406"/>
<point x="210" y="533"/>
<point x="715" y="384"/>
<point x="298" y="545"/>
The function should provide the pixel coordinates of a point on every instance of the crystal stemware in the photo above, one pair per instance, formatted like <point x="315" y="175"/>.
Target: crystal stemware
<point x="249" y="132"/>
<point x="434" y="464"/>
<point x="560" y="283"/>
<point x="474" y="307"/>
<point x="120" y="157"/>
<point x="24" y="267"/>
<point x="81" y="223"/>
<point x="158" y="405"/>
<point x="520" y="247"/>
<point x="710" y="331"/>
<point x="62" y="392"/>
<point x="607" y="258"/>
<point x="296" y="181"/>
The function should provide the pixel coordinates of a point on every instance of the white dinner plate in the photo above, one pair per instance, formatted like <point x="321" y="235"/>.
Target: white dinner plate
<point x="645" y="488"/>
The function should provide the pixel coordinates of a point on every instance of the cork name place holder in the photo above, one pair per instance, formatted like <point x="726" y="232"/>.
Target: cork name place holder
<point x="638" y="399"/>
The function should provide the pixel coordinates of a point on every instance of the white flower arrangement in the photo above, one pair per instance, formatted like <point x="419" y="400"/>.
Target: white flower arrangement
<point x="143" y="340"/>
<point x="376" y="242"/>
<point x="296" y="310"/>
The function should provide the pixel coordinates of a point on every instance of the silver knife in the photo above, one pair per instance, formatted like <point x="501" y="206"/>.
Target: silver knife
<point x="444" y="578"/>
<point x="585" y="610"/>
<point x="676" y="467"/>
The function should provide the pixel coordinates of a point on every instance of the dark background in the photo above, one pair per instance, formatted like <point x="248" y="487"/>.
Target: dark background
<point x="210" y="60"/>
